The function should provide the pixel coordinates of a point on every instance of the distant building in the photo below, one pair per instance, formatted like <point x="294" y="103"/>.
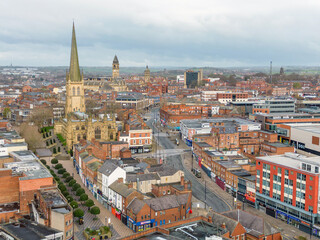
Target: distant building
<point x="147" y="75"/>
<point x="275" y="106"/>
<point x="180" y="78"/>
<point x="192" y="79"/>
<point x="115" y="68"/>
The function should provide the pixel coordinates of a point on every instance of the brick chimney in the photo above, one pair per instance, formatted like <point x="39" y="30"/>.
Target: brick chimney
<point x="130" y="185"/>
<point x="120" y="180"/>
<point x="89" y="151"/>
<point x="182" y="180"/>
<point x="223" y="225"/>
<point x="186" y="183"/>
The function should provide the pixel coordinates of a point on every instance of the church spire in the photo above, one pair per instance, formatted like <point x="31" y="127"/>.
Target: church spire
<point x="74" y="69"/>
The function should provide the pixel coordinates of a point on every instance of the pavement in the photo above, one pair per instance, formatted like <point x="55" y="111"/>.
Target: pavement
<point x="118" y="228"/>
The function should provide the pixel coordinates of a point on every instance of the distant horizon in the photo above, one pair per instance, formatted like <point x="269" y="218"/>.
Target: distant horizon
<point x="178" y="34"/>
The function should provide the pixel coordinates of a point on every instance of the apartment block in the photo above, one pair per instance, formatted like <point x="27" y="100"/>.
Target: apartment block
<point x="287" y="187"/>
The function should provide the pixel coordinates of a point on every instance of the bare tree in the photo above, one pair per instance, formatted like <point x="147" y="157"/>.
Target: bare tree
<point x="41" y="116"/>
<point x="31" y="135"/>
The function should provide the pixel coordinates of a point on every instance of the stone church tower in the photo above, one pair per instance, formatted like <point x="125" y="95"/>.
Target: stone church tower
<point x="147" y="75"/>
<point x="115" y="67"/>
<point x="75" y="101"/>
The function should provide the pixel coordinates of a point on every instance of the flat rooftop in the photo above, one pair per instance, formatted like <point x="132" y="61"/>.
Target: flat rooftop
<point x="28" y="230"/>
<point x="313" y="128"/>
<point x="53" y="198"/>
<point x="292" y="160"/>
<point x="32" y="169"/>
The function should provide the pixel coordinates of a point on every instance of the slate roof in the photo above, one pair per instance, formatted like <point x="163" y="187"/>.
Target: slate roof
<point x="163" y="170"/>
<point x="136" y="205"/>
<point x="107" y="168"/>
<point x="253" y="224"/>
<point x="167" y="202"/>
<point x="121" y="188"/>
<point x="219" y="219"/>
<point x="142" y="177"/>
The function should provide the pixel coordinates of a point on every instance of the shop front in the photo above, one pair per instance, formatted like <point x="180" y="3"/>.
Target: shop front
<point x="139" y="226"/>
<point x="220" y="183"/>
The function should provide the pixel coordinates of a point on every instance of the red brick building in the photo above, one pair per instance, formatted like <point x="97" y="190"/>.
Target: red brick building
<point x="287" y="187"/>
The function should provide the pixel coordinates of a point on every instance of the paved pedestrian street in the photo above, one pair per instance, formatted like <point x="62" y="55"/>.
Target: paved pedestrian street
<point x="117" y="227"/>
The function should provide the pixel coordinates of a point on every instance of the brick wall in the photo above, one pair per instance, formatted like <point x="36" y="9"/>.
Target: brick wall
<point x="9" y="187"/>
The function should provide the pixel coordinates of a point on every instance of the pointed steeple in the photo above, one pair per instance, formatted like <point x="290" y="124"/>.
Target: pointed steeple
<point x="74" y="69"/>
<point x="115" y="60"/>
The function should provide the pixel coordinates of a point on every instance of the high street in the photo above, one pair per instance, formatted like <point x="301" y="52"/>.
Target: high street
<point x="198" y="189"/>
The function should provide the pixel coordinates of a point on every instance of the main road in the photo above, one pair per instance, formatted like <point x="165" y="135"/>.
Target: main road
<point x="198" y="189"/>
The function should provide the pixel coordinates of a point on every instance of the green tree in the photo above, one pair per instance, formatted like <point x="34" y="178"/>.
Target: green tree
<point x="79" y="191"/>
<point x="297" y="85"/>
<point x="95" y="210"/>
<point x="62" y="187"/>
<point x="75" y="186"/>
<point x="66" y="174"/>
<point x="65" y="193"/>
<point x="83" y="197"/>
<point x="54" y="161"/>
<point x="78" y="213"/>
<point x="69" y="198"/>
<point x="72" y="182"/>
<point x="89" y="203"/>
<point x="68" y="179"/>
<point x="6" y="112"/>
<point x="74" y="204"/>
<point x="58" y="166"/>
<point x="61" y="170"/>
<point x="44" y="162"/>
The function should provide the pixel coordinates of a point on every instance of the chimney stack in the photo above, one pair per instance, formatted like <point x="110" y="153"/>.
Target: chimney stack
<point x="89" y="151"/>
<point x="120" y="180"/>
<point x="182" y="180"/>
<point x="185" y="185"/>
<point x="223" y="225"/>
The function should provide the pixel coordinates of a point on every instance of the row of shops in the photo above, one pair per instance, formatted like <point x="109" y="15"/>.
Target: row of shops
<point x="135" y="226"/>
<point x="240" y="193"/>
<point x="305" y="226"/>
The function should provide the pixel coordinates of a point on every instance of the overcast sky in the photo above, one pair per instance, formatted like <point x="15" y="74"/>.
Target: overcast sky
<point x="212" y="33"/>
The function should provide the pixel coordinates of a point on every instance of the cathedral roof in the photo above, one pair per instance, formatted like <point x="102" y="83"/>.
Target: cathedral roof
<point x="74" y="69"/>
<point x="115" y="59"/>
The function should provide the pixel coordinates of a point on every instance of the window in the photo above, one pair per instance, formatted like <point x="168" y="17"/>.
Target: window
<point x="304" y="166"/>
<point x="156" y="213"/>
<point x="78" y="91"/>
<point x="97" y="133"/>
<point x="310" y="197"/>
<point x="308" y="167"/>
<point x="310" y="209"/>
<point x="311" y="178"/>
<point x="286" y="172"/>
<point x="73" y="91"/>
<point x="279" y="170"/>
<point x="141" y="217"/>
<point x="316" y="169"/>
<point x="310" y="187"/>
<point x="274" y="167"/>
